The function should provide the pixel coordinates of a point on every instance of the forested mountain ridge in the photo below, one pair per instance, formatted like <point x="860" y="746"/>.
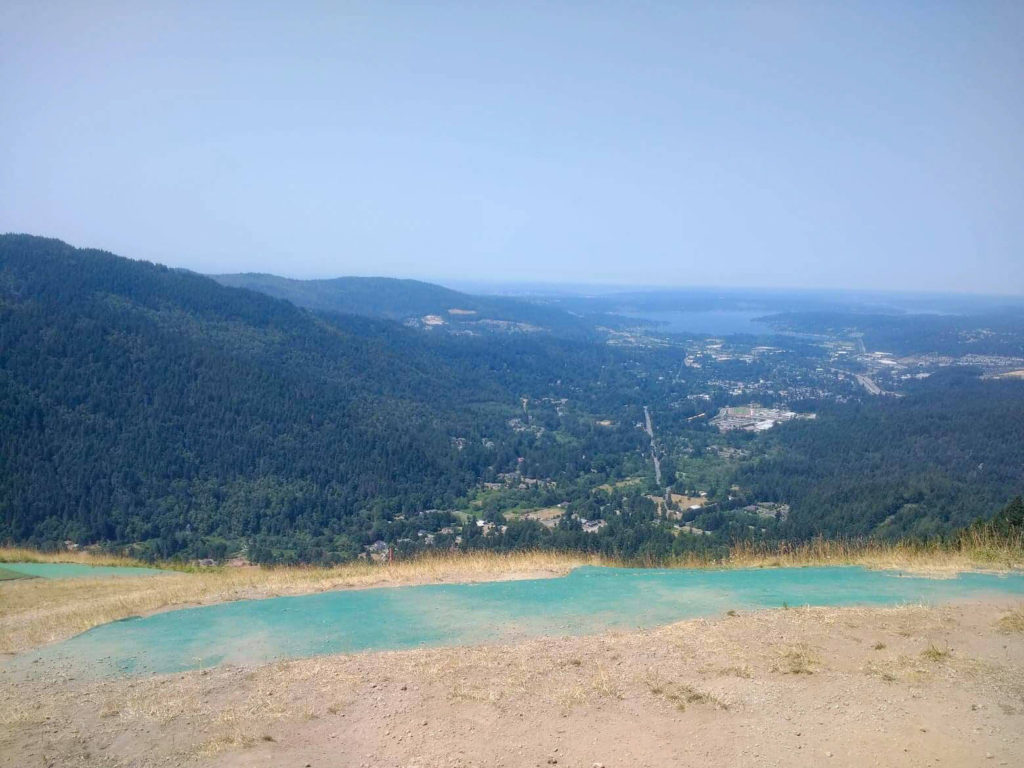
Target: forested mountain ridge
<point x="154" y="407"/>
<point x="141" y="403"/>
<point x="416" y="303"/>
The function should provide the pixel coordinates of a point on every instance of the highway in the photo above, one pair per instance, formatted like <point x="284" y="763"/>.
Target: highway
<point x="868" y="384"/>
<point x="654" y="453"/>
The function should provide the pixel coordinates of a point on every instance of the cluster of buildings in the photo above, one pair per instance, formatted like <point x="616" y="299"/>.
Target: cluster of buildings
<point x="754" y="418"/>
<point x="768" y="509"/>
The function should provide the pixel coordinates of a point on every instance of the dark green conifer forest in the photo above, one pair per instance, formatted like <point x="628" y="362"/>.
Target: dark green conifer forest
<point x="156" y="408"/>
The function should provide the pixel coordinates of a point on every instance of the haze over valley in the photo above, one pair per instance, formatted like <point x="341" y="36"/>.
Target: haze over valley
<point x="454" y="386"/>
<point x="211" y="420"/>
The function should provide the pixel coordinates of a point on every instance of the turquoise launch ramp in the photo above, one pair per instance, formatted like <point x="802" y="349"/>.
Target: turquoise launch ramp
<point x="76" y="570"/>
<point x="588" y="600"/>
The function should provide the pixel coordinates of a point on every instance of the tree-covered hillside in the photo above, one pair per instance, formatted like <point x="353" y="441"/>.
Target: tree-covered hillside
<point x="949" y="452"/>
<point x="992" y="330"/>
<point x="143" y="403"/>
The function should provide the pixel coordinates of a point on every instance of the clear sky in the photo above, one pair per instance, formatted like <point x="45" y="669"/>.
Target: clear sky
<point x="861" y="145"/>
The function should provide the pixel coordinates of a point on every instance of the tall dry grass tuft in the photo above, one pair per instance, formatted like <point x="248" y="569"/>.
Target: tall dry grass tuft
<point x="976" y="548"/>
<point x="1012" y="622"/>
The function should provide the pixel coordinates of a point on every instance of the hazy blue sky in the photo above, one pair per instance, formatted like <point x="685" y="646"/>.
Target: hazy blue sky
<point x="791" y="144"/>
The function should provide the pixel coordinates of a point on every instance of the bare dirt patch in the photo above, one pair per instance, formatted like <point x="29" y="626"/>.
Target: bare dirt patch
<point x="733" y="691"/>
<point x="548" y="516"/>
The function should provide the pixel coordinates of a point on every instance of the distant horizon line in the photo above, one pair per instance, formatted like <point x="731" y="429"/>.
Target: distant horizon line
<point x="464" y="285"/>
<point x="581" y="289"/>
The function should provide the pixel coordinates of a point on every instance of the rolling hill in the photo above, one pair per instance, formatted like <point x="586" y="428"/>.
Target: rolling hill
<point x="415" y="303"/>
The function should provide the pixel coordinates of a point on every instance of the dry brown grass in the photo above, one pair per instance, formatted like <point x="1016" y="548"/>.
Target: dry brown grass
<point x="973" y="550"/>
<point x="934" y="653"/>
<point x="1012" y="622"/>
<point x="681" y="694"/>
<point x="797" y="660"/>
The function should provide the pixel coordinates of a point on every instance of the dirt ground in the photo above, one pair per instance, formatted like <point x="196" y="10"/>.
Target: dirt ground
<point x="909" y="686"/>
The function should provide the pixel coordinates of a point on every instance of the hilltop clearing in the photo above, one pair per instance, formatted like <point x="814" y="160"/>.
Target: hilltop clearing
<point x="909" y="686"/>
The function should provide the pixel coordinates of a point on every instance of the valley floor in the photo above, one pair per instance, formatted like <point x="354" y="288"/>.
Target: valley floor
<point x="908" y="686"/>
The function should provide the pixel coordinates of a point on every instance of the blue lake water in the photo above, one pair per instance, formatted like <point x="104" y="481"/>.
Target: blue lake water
<point x="707" y="322"/>
<point x="589" y="600"/>
<point x="75" y="570"/>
